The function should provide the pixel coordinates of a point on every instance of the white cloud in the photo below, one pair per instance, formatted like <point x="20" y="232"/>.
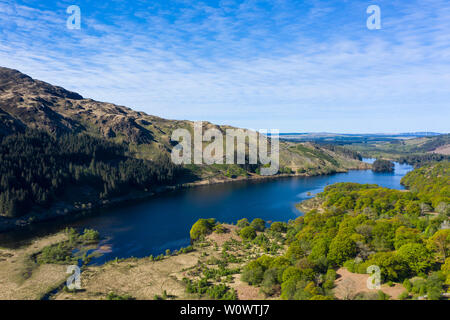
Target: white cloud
<point x="242" y="65"/>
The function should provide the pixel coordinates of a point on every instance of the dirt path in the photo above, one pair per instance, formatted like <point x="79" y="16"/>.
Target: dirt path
<point x="348" y="285"/>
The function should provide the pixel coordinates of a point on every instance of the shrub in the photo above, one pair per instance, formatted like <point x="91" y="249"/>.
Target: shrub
<point x="446" y="271"/>
<point x="404" y="235"/>
<point x="404" y="295"/>
<point x="350" y="265"/>
<point x="187" y="249"/>
<point x="115" y="296"/>
<point x="418" y="258"/>
<point x="295" y="289"/>
<point x="201" y="228"/>
<point x="440" y="243"/>
<point x="278" y="227"/>
<point x="89" y="235"/>
<point x="295" y="252"/>
<point x="258" y="224"/>
<point x="434" y="284"/>
<point x="392" y="267"/>
<point x="253" y="273"/>
<point x="290" y="273"/>
<point x="366" y="296"/>
<point x="248" y="233"/>
<point x="330" y="275"/>
<point x="221" y="292"/>
<point x="243" y="223"/>
<point x="219" y="228"/>
<point x="270" y="281"/>
<point x="341" y="249"/>
<point x="262" y="240"/>
<point x="419" y="286"/>
<point x="328" y="284"/>
<point x="407" y="284"/>
<point x="58" y="253"/>
<point x="321" y="297"/>
<point x="383" y="296"/>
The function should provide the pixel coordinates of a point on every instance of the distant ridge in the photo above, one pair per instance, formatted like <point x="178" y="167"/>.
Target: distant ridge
<point x="416" y="134"/>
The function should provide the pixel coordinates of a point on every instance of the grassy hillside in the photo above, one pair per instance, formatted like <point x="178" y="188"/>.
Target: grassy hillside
<point x="431" y="182"/>
<point x="434" y="147"/>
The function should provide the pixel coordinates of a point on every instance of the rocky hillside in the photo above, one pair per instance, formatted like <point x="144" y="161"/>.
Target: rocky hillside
<point x="26" y="102"/>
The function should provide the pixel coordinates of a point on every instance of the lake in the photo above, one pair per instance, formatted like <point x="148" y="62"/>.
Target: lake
<point x="163" y="222"/>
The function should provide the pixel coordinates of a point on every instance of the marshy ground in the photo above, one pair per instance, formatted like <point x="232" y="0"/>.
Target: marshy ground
<point x="146" y="278"/>
<point x="219" y="257"/>
<point x="21" y="277"/>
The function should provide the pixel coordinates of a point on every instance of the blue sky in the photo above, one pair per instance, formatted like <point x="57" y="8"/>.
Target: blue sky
<point x="295" y="66"/>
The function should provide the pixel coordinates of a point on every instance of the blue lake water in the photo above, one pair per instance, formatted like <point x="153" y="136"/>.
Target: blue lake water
<point x="164" y="221"/>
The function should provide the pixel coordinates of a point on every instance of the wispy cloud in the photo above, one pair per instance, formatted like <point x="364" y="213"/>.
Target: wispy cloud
<point x="296" y="66"/>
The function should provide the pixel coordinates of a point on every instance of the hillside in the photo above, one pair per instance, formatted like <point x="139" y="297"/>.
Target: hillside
<point x="432" y="182"/>
<point x="58" y="148"/>
<point x="432" y="144"/>
<point x="433" y="147"/>
<point x="354" y="138"/>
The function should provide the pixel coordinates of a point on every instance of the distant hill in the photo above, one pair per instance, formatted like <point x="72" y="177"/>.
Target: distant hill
<point x="421" y="145"/>
<point x="415" y="151"/>
<point x="437" y="144"/>
<point x="351" y="138"/>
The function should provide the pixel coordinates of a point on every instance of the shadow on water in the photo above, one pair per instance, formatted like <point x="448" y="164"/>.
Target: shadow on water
<point x="164" y="221"/>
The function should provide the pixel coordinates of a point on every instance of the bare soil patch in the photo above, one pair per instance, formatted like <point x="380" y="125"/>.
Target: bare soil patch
<point x="245" y="291"/>
<point x="221" y="238"/>
<point x="349" y="284"/>
<point x="442" y="150"/>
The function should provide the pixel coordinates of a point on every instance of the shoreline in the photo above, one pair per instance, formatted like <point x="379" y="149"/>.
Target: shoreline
<point x="61" y="210"/>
